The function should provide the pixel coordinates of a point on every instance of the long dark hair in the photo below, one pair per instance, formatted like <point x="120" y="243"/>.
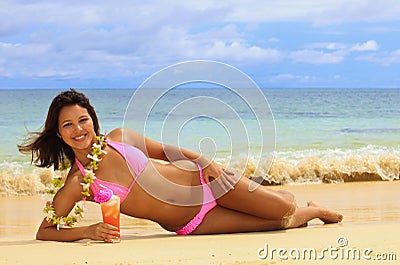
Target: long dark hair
<point x="46" y="148"/>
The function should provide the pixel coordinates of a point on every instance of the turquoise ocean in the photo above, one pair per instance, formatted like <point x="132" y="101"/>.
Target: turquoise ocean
<point x="322" y="135"/>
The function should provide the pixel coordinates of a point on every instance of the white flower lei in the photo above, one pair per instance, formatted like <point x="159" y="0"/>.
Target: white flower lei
<point x="77" y="215"/>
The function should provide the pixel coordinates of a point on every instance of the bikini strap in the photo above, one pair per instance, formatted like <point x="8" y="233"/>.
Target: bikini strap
<point x="132" y="183"/>
<point x="80" y="166"/>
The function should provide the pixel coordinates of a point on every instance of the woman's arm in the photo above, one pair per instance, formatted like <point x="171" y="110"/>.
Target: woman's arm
<point x="64" y="202"/>
<point x="99" y="231"/>
<point x="156" y="150"/>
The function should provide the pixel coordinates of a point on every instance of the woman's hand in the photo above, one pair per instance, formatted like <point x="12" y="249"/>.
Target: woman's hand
<point x="223" y="176"/>
<point x="102" y="231"/>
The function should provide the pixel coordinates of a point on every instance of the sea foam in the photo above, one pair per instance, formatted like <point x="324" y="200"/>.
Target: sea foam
<point x="323" y="166"/>
<point x="17" y="178"/>
<point x="290" y="167"/>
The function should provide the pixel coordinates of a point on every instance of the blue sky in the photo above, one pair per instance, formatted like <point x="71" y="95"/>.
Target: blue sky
<point x="118" y="44"/>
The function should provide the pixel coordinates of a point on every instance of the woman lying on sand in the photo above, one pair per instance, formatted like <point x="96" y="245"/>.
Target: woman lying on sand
<point x="70" y="131"/>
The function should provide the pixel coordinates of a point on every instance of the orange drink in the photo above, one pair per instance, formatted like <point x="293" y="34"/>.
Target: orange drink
<point x="111" y="212"/>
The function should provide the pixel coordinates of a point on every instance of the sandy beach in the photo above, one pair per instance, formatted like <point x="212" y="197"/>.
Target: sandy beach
<point x="368" y="233"/>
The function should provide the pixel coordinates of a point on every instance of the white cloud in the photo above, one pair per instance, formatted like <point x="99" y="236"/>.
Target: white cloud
<point x="273" y="39"/>
<point x="300" y="78"/>
<point x="17" y="16"/>
<point x="382" y="58"/>
<point x="102" y="39"/>
<point x="314" y="11"/>
<point x="330" y="52"/>
<point x="107" y="39"/>
<point x="45" y="60"/>
<point x="237" y="51"/>
<point x="337" y="77"/>
<point x="317" y="57"/>
<point x="370" y="45"/>
<point x="327" y="46"/>
<point x="19" y="59"/>
<point x="383" y="29"/>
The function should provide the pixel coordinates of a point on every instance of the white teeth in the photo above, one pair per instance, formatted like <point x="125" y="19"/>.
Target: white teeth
<point x="79" y="137"/>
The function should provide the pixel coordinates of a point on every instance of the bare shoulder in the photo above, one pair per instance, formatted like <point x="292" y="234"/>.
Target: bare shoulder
<point x="116" y="135"/>
<point x="124" y="134"/>
<point x="72" y="184"/>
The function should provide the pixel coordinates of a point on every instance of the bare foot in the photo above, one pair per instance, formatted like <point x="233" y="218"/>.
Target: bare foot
<point x="327" y="216"/>
<point x="303" y="225"/>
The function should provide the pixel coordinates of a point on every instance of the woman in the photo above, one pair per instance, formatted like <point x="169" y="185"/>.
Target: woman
<point x="70" y="131"/>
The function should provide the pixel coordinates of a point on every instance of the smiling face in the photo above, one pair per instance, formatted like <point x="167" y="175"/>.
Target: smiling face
<point x="75" y="127"/>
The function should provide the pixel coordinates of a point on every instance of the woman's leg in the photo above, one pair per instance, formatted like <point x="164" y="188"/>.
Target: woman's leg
<point x="274" y="205"/>
<point x="313" y="210"/>
<point x="262" y="202"/>
<point x="223" y="220"/>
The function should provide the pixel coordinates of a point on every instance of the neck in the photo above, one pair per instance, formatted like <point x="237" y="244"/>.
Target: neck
<point x="81" y="154"/>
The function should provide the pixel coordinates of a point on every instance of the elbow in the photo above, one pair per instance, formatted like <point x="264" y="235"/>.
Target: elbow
<point x="40" y="235"/>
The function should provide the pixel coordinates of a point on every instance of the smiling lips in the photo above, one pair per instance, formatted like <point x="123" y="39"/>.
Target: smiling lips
<point x="80" y="138"/>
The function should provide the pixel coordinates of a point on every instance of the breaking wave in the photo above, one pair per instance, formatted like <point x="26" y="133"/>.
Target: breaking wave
<point x="292" y="167"/>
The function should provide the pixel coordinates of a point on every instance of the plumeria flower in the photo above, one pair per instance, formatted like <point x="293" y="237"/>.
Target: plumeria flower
<point x="49" y="215"/>
<point x="90" y="173"/>
<point x="94" y="157"/>
<point x="103" y="195"/>
<point x="81" y="204"/>
<point x="85" y="185"/>
<point x="98" y="147"/>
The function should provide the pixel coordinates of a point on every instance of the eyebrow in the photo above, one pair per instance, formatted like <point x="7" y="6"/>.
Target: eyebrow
<point x="80" y="117"/>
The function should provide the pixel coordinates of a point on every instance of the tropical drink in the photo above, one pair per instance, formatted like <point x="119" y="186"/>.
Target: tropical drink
<point x="111" y="213"/>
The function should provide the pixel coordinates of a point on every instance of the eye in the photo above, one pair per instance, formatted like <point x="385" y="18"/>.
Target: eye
<point x="67" y="124"/>
<point x="84" y="119"/>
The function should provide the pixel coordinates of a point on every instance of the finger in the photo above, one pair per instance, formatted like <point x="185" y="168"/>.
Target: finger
<point x="224" y="183"/>
<point x="228" y="180"/>
<point x="233" y="176"/>
<point x="207" y="179"/>
<point x="228" y="171"/>
<point x="101" y="236"/>
<point x="228" y="184"/>
<point x="112" y="232"/>
<point x="220" y="182"/>
<point x="110" y="227"/>
<point x="110" y="238"/>
<point x="232" y="180"/>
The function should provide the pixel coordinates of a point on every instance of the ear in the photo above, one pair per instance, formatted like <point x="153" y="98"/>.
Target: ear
<point x="59" y="135"/>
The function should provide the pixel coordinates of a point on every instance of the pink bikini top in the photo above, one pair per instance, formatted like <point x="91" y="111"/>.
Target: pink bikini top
<point x="137" y="161"/>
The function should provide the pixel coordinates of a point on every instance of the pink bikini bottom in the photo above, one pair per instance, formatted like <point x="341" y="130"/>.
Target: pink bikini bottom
<point x="208" y="204"/>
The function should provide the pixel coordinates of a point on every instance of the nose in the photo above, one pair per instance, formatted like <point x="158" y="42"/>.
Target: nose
<point x="78" y="127"/>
